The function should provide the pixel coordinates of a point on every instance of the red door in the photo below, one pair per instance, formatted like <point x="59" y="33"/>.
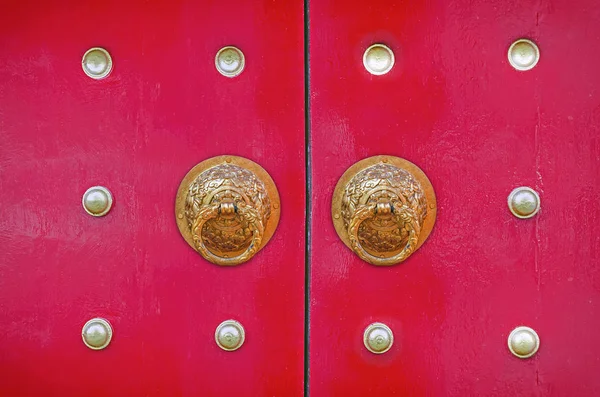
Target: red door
<point x="453" y="105"/>
<point x="416" y="278"/>
<point x="163" y="109"/>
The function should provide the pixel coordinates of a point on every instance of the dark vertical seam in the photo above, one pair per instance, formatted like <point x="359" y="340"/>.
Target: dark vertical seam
<point x="308" y="207"/>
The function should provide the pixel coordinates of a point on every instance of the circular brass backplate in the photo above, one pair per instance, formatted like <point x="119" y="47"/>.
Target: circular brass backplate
<point x="416" y="173"/>
<point x="231" y="257"/>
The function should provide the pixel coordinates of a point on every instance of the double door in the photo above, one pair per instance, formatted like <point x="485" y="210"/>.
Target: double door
<point x="182" y="183"/>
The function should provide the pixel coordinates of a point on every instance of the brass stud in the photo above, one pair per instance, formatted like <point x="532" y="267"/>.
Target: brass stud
<point x="97" y="201"/>
<point x="524" y="202"/>
<point x="230" y="335"/>
<point x="378" y="338"/>
<point x="97" y="333"/>
<point x="378" y="59"/>
<point x="230" y="61"/>
<point x="97" y="63"/>
<point x="523" y="54"/>
<point x="523" y="342"/>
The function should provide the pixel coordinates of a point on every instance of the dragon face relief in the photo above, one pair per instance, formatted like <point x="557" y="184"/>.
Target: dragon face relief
<point x="398" y="206"/>
<point x="238" y="201"/>
<point x="227" y="209"/>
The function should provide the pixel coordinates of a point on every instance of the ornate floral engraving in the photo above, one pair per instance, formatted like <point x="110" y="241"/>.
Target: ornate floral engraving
<point x="383" y="208"/>
<point x="226" y="209"/>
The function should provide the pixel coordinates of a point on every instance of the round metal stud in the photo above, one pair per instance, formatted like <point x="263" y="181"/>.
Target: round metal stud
<point x="230" y="335"/>
<point x="97" y="333"/>
<point x="378" y="59"/>
<point x="523" y="342"/>
<point x="524" y="202"/>
<point x="523" y="54"/>
<point x="378" y="338"/>
<point x="230" y="61"/>
<point x="97" y="201"/>
<point x="97" y="63"/>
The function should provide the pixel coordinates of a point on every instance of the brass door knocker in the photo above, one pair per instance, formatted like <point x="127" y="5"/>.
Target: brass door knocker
<point x="227" y="209"/>
<point x="383" y="209"/>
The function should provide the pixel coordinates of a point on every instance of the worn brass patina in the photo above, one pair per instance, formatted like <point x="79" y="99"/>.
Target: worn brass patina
<point x="383" y="209"/>
<point x="227" y="209"/>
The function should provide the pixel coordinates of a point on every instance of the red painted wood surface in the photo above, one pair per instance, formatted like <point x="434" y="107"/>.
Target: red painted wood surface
<point x="162" y="110"/>
<point x="454" y="106"/>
